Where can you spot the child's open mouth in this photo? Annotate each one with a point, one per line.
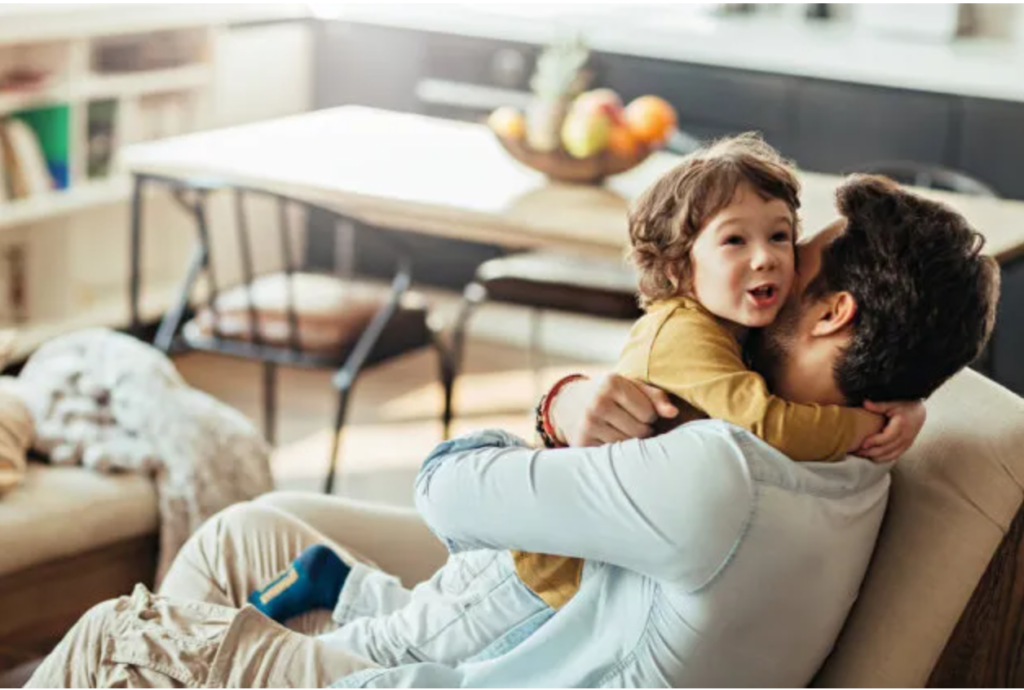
(764, 295)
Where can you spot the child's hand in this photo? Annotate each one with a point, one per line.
(903, 423)
(593, 412)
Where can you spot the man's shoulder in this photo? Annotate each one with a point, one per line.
(708, 453)
(769, 466)
(742, 479)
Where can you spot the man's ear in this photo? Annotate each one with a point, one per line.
(836, 312)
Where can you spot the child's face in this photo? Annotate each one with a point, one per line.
(743, 259)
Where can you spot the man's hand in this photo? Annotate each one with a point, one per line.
(903, 423)
(592, 412)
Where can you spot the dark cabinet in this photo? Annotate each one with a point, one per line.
(991, 144)
(711, 102)
(1007, 347)
(366, 65)
(484, 62)
(831, 127)
(840, 127)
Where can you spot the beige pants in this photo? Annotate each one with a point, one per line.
(198, 632)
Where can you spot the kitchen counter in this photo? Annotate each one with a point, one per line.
(982, 67)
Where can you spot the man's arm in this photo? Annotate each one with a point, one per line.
(670, 507)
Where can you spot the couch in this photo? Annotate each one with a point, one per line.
(69, 538)
(941, 604)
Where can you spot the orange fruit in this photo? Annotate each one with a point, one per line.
(507, 123)
(622, 143)
(651, 119)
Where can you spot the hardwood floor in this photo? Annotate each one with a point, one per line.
(394, 417)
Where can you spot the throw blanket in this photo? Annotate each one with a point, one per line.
(114, 403)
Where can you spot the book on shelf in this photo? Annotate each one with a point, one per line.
(24, 163)
(3, 173)
(101, 129)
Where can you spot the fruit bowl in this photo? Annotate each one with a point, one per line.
(560, 166)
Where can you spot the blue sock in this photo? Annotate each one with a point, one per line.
(313, 581)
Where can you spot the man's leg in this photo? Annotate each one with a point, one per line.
(126, 642)
(242, 549)
(395, 538)
(148, 641)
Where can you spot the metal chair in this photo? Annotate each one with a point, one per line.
(358, 324)
(541, 281)
(931, 177)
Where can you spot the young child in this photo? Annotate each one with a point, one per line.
(714, 244)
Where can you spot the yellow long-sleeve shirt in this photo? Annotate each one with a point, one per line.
(683, 349)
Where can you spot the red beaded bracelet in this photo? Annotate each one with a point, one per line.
(544, 426)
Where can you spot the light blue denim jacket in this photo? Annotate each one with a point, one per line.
(712, 559)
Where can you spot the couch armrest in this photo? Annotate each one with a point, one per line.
(986, 650)
(954, 497)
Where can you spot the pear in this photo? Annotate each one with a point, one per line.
(585, 133)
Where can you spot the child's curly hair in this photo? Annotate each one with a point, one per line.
(667, 218)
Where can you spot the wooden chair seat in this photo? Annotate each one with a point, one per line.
(545, 280)
(330, 315)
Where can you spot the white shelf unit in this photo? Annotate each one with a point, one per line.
(77, 78)
(55, 232)
(62, 202)
(64, 253)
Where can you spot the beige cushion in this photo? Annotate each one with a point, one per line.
(329, 311)
(953, 498)
(63, 511)
(16, 431)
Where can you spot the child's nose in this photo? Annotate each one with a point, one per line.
(763, 259)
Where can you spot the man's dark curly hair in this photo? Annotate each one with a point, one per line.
(925, 293)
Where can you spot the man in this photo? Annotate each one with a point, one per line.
(711, 558)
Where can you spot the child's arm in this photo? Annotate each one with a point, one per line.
(695, 358)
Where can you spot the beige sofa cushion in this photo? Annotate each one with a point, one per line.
(64, 511)
(16, 431)
(953, 498)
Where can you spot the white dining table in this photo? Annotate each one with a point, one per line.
(443, 177)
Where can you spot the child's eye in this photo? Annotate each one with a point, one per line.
(733, 239)
(781, 236)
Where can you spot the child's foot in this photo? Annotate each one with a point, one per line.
(313, 581)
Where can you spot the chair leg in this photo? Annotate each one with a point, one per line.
(448, 372)
(535, 354)
(339, 420)
(451, 358)
(270, 402)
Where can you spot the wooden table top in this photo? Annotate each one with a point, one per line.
(452, 178)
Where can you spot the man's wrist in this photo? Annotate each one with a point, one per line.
(548, 431)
